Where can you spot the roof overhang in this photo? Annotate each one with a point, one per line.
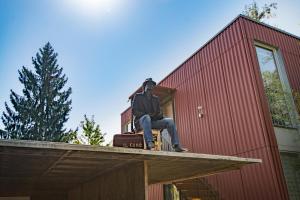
(31, 167)
(160, 91)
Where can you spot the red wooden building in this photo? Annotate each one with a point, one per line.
(234, 96)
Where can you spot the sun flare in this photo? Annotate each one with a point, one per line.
(93, 8)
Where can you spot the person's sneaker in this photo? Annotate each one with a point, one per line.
(178, 148)
(150, 146)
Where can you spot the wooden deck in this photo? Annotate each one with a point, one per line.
(28, 167)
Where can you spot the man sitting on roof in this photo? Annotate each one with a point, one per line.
(147, 115)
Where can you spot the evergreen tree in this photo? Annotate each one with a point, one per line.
(3, 134)
(43, 109)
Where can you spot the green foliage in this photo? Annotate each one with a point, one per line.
(280, 101)
(258, 14)
(71, 137)
(42, 110)
(91, 133)
(3, 134)
(296, 96)
(276, 97)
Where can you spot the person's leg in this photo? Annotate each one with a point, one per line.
(169, 124)
(145, 122)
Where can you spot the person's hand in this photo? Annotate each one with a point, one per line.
(151, 114)
(160, 116)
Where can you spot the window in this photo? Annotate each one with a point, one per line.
(276, 86)
(127, 127)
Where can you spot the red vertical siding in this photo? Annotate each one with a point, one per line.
(199, 131)
(182, 114)
(229, 37)
(125, 118)
(230, 185)
(260, 180)
(245, 116)
(261, 99)
(155, 192)
(224, 78)
(209, 52)
(223, 137)
(288, 46)
(270, 36)
(194, 67)
(293, 71)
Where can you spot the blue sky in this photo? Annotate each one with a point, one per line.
(108, 47)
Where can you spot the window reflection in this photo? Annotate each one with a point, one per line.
(273, 88)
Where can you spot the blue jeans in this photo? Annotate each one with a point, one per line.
(168, 123)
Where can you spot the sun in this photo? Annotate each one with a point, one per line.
(93, 8)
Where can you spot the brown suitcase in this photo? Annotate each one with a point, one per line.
(129, 140)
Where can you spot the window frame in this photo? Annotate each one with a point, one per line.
(279, 64)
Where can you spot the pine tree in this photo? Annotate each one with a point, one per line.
(43, 109)
(3, 134)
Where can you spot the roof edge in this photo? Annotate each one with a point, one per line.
(206, 43)
(223, 29)
(33, 144)
(269, 26)
(122, 113)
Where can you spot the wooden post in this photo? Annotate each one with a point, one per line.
(146, 179)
